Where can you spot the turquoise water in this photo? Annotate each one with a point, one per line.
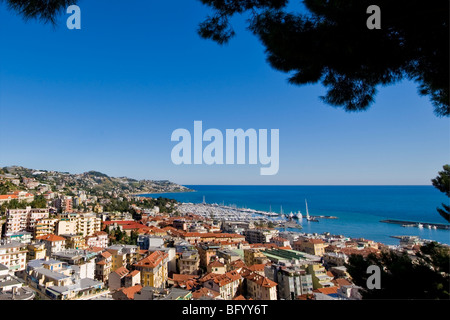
(358, 208)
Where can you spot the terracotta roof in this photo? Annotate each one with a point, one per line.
(183, 277)
(238, 264)
(133, 273)
(341, 282)
(216, 264)
(51, 237)
(135, 225)
(227, 278)
(7, 196)
(261, 280)
(205, 292)
(207, 277)
(152, 260)
(240, 297)
(328, 290)
(131, 291)
(257, 267)
(106, 254)
(122, 271)
(100, 233)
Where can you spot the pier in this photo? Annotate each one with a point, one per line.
(416, 224)
(324, 217)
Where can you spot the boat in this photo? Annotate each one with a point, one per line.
(308, 217)
(420, 226)
(307, 213)
(434, 227)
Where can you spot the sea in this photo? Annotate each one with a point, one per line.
(358, 209)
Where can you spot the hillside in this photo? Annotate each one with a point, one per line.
(93, 182)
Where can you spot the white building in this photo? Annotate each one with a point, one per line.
(13, 255)
(23, 219)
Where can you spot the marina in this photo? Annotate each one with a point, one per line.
(339, 209)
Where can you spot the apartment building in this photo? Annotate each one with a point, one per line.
(18, 220)
(259, 287)
(82, 224)
(88, 224)
(260, 235)
(335, 258)
(292, 280)
(13, 255)
(311, 246)
(58, 281)
(53, 243)
(74, 241)
(228, 285)
(103, 266)
(216, 267)
(122, 278)
(320, 277)
(98, 239)
(45, 226)
(254, 256)
(189, 262)
(36, 251)
(280, 242)
(22, 236)
(123, 255)
(206, 252)
(153, 269)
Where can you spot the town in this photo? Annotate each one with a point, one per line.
(67, 237)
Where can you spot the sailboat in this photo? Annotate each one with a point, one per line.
(299, 216)
(307, 214)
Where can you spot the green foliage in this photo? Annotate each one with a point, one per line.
(14, 204)
(7, 187)
(97, 174)
(330, 43)
(442, 183)
(44, 10)
(120, 237)
(39, 202)
(425, 277)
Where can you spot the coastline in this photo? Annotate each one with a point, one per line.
(358, 209)
(161, 192)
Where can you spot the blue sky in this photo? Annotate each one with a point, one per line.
(107, 98)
